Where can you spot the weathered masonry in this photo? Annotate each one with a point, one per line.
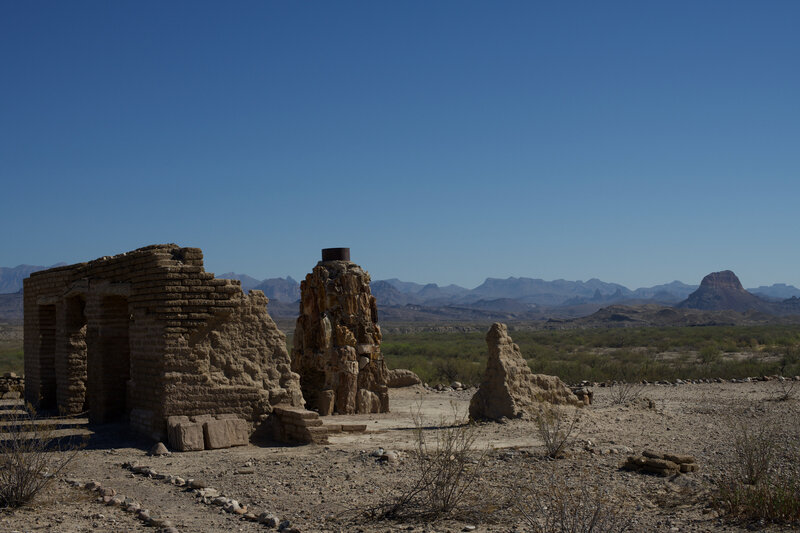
(337, 340)
(149, 334)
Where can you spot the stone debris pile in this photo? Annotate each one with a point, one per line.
(509, 389)
(337, 340)
(12, 386)
(662, 464)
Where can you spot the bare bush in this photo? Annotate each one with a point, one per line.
(563, 506)
(755, 443)
(447, 466)
(31, 456)
(761, 485)
(557, 428)
(626, 391)
(787, 389)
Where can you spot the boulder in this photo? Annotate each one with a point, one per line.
(159, 449)
(509, 389)
(400, 377)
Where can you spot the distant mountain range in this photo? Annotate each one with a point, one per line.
(514, 298)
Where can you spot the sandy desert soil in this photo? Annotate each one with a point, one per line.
(324, 488)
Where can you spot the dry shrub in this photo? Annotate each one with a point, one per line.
(760, 485)
(787, 389)
(552, 503)
(447, 466)
(626, 392)
(557, 428)
(755, 443)
(31, 456)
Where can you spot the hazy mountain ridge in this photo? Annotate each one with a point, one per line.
(11, 277)
(513, 298)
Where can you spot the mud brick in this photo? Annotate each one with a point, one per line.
(216, 434)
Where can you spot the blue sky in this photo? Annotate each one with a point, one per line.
(636, 142)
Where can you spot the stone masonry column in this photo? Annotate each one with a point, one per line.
(337, 341)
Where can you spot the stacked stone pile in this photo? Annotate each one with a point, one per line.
(662, 464)
(337, 340)
(509, 389)
(11, 386)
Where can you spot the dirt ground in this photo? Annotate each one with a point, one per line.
(327, 488)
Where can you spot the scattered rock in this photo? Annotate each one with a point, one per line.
(268, 519)
(196, 484)
(159, 449)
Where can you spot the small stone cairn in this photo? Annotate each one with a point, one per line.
(509, 389)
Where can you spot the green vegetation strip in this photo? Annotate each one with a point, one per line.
(11, 358)
(625, 354)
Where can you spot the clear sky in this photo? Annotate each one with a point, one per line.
(636, 142)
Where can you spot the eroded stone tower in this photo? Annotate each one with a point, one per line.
(337, 341)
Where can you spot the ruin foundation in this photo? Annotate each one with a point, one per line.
(337, 341)
(149, 334)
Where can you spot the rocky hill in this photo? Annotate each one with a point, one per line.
(723, 291)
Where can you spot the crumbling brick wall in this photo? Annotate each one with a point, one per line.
(149, 334)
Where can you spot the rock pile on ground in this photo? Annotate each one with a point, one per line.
(662, 464)
(11, 386)
(509, 388)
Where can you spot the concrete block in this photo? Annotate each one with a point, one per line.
(239, 431)
(186, 436)
(216, 434)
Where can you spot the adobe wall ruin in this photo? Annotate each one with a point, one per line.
(337, 341)
(149, 334)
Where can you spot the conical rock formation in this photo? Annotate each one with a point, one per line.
(509, 388)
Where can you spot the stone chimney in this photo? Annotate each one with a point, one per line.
(337, 341)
